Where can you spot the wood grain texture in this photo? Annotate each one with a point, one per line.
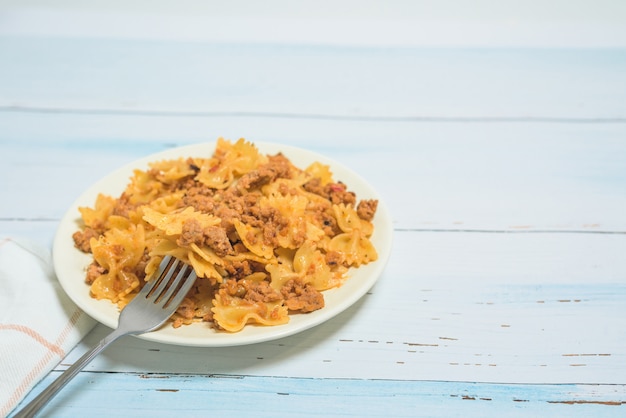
(477, 175)
(299, 80)
(468, 307)
(233, 396)
(504, 169)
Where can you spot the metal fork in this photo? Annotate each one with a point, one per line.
(153, 305)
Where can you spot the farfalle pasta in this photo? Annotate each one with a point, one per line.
(265, 237)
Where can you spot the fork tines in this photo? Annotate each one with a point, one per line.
(172, 276)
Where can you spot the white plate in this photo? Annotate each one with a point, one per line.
(70, 263)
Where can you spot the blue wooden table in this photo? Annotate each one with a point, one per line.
(504, 169)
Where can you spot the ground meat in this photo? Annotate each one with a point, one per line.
(123, 206)
(192, 233)
(228, 206)
(198, 196)
(367, 209)
(326, 220)
(213, 236)
(140, 269)
(285, 190)
(186, 311)
(281, 165)
(334, 258)
(314, 186)
(233, 288)
(228, 216)
(236, 203)
(260, 292)
(338, 193)
(253, 180)
(251, 291)
(270, 220)
(82, 239)
(299, 235)
(239, 269)
(277, 167)
(301, 297)
(335, 192)
(200, 203)
(216, 238)
(93, 272)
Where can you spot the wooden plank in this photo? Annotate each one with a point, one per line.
(345, 82)
(100, 394)
(504, 176)
(487, 307)
(515, 308)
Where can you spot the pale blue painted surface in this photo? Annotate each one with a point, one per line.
(478, 175)
(310, 80)
(98, 394)
(505, 171)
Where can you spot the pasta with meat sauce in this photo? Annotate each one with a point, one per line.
(265, 238)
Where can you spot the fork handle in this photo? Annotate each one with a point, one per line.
(44, 397)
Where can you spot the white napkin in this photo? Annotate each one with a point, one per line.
(39, 324)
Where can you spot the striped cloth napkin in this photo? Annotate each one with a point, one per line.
(39, 324)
